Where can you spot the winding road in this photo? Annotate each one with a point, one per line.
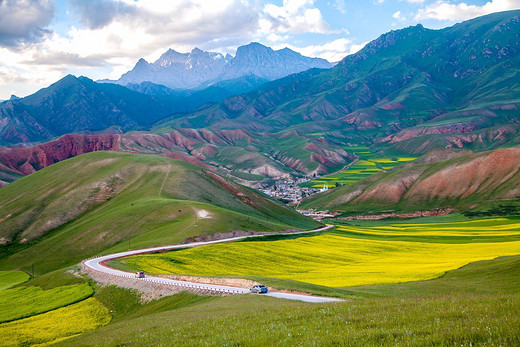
(99, 264)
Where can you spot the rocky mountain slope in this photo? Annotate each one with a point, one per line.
(232, 152)
(410, 90)
(80, 105)
(75, 105)
(199, 68)
(461, 182)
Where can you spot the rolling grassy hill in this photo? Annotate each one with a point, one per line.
(108, 201)
(463, 182)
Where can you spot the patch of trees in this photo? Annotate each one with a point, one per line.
(500, 210)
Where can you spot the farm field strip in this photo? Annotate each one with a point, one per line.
(31, 315)
(9, 279)
(55, 325)
(368, 164)
(496, 227)
(332, 260)
(25, 302)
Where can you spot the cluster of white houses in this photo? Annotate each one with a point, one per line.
(290, 191)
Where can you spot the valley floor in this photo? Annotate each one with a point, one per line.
(459, 304)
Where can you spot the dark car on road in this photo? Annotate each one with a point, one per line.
(258, 288)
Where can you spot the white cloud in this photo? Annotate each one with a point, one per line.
(109, 36)
(19, 78)
(340, 6)
(332, 51)
(443, 10)
(399, 16)
(277, 38)
(95, 14)
(145, 28)
(24, 21)
(293, 17)
(356, 48)
(110, 44)
(413, 1)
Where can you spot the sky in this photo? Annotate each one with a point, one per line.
(41, 41)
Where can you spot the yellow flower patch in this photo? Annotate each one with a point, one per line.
(55, 325)
(329, 260)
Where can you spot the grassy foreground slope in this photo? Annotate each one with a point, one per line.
(461, 182)
(108, 201)
(476, 304)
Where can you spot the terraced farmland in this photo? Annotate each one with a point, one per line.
(31, 315)
(341, 259)
(480, 230)
(30, 301)
(55, 325)
(368, 164)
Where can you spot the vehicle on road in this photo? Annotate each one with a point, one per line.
(258, 288)
(139, 274)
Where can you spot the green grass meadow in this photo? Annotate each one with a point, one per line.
(30, 314)
(348, 255)
(34, 300)
(119, 201)
(446, 280)
(10, 279)
(474, 305)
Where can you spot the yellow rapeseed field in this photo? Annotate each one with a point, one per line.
(500, 227)
(55, 325)
(21, 302)
(329, 260)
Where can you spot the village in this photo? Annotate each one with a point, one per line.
(290, 192)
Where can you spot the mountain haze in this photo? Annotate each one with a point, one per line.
(79, 105)
(75, 105)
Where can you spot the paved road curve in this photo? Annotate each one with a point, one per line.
(99, 264)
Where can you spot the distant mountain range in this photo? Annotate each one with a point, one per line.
(80, 105)
(200, 69)
(409, 91)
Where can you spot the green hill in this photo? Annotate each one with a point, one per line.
(462, 182)
(108, 201)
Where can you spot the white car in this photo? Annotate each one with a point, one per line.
(259, 289)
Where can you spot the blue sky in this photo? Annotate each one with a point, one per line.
(43, 40)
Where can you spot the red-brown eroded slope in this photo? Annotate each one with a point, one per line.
(486, 175)
(459, 182)
(30, 159)
(493, 175)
